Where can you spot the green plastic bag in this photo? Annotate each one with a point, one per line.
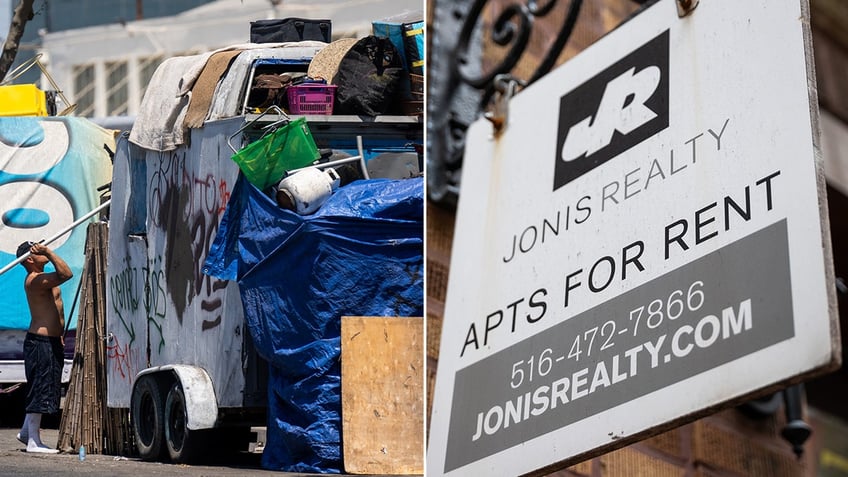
(264, 161)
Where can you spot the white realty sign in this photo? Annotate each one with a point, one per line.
(644, 242)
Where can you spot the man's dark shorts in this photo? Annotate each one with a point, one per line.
(43, 361)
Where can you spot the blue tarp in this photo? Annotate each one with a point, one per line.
(361, 254)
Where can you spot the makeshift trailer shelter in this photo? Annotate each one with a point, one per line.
(182, 343)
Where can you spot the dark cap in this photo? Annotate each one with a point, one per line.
(24, 248)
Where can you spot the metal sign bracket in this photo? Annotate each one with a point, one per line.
(498, 114)
(686, 7)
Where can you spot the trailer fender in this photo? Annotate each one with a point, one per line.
(201, 403)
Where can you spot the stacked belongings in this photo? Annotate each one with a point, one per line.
(345, 247)
(345, 250)
(355, 77)
(378, 74)
(269, 89)
(292, 92)
(406, 32)
(381, 74)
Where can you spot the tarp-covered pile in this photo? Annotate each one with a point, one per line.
(361, 254)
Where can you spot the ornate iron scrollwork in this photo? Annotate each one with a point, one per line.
(451, 73)
(458, 90)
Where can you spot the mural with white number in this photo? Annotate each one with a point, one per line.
(50, 170)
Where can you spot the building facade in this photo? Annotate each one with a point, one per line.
(56, 16)
(105, 65)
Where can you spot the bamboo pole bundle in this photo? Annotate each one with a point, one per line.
(69, 426)
(86, 419)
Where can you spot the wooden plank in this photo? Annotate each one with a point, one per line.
(382, 395)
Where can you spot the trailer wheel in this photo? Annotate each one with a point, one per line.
(148, 418)
(183, 443)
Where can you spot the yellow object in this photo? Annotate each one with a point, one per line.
(22, 100)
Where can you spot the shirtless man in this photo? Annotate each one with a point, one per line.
(43, 346)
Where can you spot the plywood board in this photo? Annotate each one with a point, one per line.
(383, 395)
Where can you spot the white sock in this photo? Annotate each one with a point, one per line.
(34, 443)
(23, 436)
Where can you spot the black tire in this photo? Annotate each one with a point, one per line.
(183, 443)
(148, 419)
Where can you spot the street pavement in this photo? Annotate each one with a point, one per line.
(15, 462)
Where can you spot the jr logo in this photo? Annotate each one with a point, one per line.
(615, 110)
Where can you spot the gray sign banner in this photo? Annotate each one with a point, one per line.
(725, 305)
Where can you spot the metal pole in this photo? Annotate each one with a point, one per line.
(55, 237)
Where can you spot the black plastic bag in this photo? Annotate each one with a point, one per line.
(281, 30)
(369, 78)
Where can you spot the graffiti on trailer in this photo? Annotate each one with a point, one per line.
(154, 299)
(131, 287)
(184, 207)
(125, 296)
(224, 194)
(120, 356)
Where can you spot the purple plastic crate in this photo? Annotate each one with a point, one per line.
(311, 98)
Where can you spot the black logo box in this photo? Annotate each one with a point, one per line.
(583, 102)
